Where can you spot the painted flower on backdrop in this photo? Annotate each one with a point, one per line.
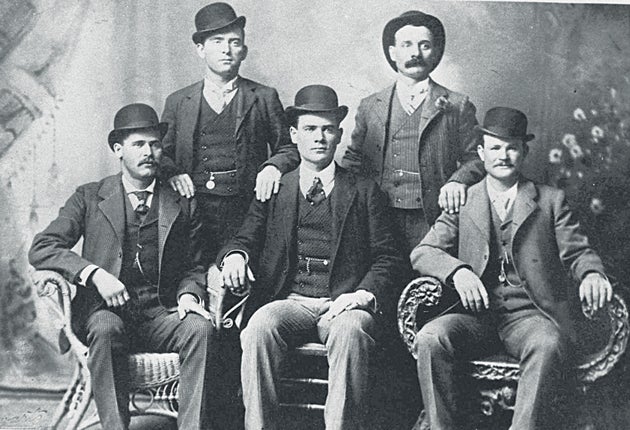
(555, 156)
(595, 145)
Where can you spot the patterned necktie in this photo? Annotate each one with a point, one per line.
(502, 203)
(316, 194)
(142, 207)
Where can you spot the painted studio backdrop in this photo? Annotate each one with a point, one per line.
(67, 66)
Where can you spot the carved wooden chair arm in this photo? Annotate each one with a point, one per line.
(223, 305)
(57, 293)
(426, 294)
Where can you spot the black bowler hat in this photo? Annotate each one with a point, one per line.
(133, 117)
(417, 19)
(213, 17)
(507, 123)
(316, 98)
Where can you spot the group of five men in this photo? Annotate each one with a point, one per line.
(323, 247)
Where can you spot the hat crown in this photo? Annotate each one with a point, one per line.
(136, 115)
(416, 19)
(317, 97)
(505, 122)
(214, 17)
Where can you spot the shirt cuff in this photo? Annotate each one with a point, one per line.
(86, 274)
(371, 298)
(195, 296)
(236, 251)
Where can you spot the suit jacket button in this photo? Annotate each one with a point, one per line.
(119, 254)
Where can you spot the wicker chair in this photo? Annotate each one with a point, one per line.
(495, 378)
(154, 376)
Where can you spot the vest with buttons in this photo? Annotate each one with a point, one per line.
(507, 295)
(314, 231)
(214, 149)
(140, 275)
(401, 179)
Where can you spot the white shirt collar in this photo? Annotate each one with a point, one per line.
(129, 188)
(327, 176)
(500, 197)
(412, 90)
(223, 89)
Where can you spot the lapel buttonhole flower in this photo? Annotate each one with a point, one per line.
(443, 104)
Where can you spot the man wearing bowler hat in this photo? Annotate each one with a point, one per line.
(140, 280)
(515, 255)
(415, 138)
(323, 264)
(222, 129)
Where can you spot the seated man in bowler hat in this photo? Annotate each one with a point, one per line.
(222, 130)
(141, 284)
(515, 254)
(323, 264)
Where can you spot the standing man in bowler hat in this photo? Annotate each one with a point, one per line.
(140, 279)
(415, 138)
(515, 255)
(323, 263)
(221, 130)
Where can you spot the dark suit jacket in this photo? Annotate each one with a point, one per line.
(363, 254)
(547, 246)
(260, 127)
(96, 212)
(446, 149)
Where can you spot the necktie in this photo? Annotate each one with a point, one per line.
(142, 207)
(502, 203)
(316, 193)
(414, 101)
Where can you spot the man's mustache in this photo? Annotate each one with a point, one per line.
(415, 62)
(150, 160)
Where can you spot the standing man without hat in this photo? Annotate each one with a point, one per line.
(416, 138)
(221, 130)
(515, 255)
(323, 263)
(141, 282)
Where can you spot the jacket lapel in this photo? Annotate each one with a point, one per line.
(288, 200)
(245, 98)
(113, 205)
(477, 209)
(344, 191)
(168, 211)
(190, 113)
(381, 105)
(429, 108)
(524, 205)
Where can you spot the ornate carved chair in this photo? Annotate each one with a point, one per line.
(495, 378)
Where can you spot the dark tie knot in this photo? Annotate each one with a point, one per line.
(142, 197)
(316, 193)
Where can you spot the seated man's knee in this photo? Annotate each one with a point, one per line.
(104, 325)
(547, 343)
(198, 327)
(261, 325)
(432, 338)
(352, 327)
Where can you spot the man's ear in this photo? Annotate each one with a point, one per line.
(117, 148)
(200, 50)
(525, 149)
(245, 52)
(293, 133)
(480, 151)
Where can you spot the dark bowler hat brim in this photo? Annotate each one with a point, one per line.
(315, 99)
(505, 123)
(136, 116)
(417, 19)
(214, 17)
